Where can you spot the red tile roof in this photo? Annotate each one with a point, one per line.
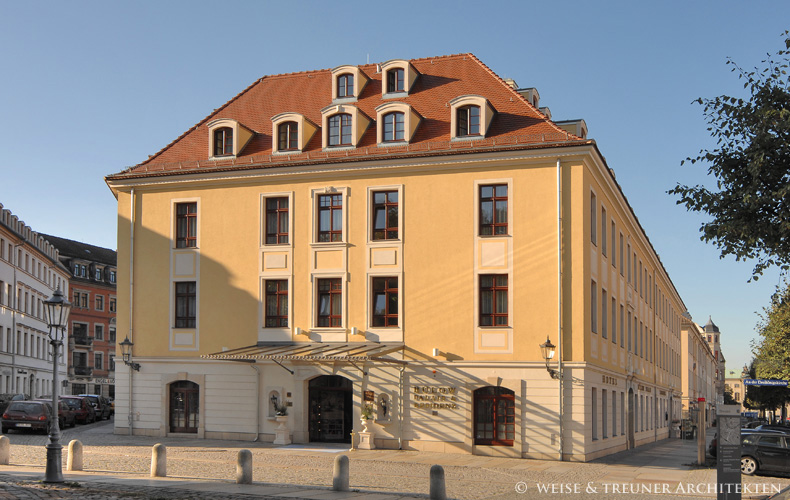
(517, 123)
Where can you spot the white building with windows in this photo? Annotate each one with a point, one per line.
(30, 271)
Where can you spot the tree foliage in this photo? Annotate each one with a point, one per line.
(750, 207)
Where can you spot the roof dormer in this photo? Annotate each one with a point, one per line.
(348, 82)
(397, 122)
(343, 126)
(470, 117)
(226, 138)
(397, 78)
(291, 132)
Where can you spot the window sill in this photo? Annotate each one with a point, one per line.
(385, 144)
(329, 244)
(344, 100)
(223, 157)
(287, 152)
(341, 147)
(395, 95)
(385, 243)
(460, 138)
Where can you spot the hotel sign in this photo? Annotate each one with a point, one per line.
(435, 398)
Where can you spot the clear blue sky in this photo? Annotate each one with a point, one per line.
(89, 88)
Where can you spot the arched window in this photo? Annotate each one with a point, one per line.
(288, 136)
(340, 130)
(395, 80)
(184, 406)
(223, 141)
(468, 121)
(345, 85)
(494, 417)
(393, 127)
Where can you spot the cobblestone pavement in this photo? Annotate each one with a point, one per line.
(206, 469)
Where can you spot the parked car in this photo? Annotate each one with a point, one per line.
(765, 452)
(83, 409)
(744, 432)
(5, 399)
(774, 427)
(754, 424)
(26, 415)
(67, 416)
(100, 404)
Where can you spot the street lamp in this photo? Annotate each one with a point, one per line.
(57, 311)
(547, 349)
(126, 352)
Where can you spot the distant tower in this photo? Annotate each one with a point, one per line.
(711, 332)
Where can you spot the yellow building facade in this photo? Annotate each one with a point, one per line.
(399, 248)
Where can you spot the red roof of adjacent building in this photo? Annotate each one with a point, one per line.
(517, 123)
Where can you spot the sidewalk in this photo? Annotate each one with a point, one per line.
(118, 467)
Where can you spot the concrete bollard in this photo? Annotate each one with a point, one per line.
(75, 456)
(340, 473)
(5, 450)
(159, 461)
(244, 467)
(438, 491)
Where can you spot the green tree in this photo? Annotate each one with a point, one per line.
(772, 352)
(729, 399)
(750, 207)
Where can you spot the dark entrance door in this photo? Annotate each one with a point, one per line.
(184, 406)
(330, 409)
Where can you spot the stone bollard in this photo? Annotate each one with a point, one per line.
(159, 461)
(244, 467)
(5, 450)
(75, 456)
(340, 473)
(438, 491)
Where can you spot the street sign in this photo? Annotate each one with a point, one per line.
(765, 382)
(701, 400)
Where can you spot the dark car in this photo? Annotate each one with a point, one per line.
(5, 400)
(83, 409)
(26, 415)
(744, 432)
(68, 417)
(100, 404)
(774, 427)
(765, 452)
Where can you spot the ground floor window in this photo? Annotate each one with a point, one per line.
(78, 389)
(184, 406)
(494, 417)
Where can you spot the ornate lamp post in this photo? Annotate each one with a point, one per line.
(547, 349)
(126, 352)
(57, 311)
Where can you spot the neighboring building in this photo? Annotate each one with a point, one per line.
(734, 381)
(403, 235)
(712, 335)
(29, 273)
(92, 320)
(699, 371)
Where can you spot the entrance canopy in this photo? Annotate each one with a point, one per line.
(352, 352)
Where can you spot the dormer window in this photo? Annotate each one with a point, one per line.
(340, 130)
(345, 86)
(393, 127)
(398, 77)
(397, 122)
(347, 83)
(223, 141)
(227, 137)
(292, 132)
(468, 121)
(471, 117)
(344, 126)
(395, 80)
(288, 136)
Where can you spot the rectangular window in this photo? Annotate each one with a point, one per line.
(330, 302)
(604, 315)
(97, 274)
(622, 414)
(628, 264)
(330, 217)
(603, 232)
(385, 215)
(614, 320)
(593, 219)
(98, 332)
(276, 220)
(594, 307)
(112, 276)
(604, 414)
(493, 300)
(614, 413)
(594, 414)
(112, 335)
(112, 305)
(621, 254)
(100, 302)
(276, 303)
(186, 225)
(111, 363)
(493, 210)
(83, 300)
(98, 361)
(385, 302)
(186, 304)
(629, 331)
